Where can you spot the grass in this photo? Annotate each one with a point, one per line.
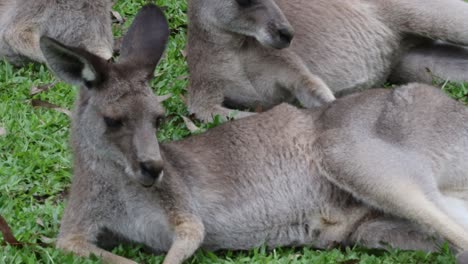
(35, 162)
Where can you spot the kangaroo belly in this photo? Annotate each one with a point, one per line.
(318, 228)
(250, 235)
(306, 211)
(294, 235)
(248, 216)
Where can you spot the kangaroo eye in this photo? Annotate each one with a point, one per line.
(113, 123)
(245, 3)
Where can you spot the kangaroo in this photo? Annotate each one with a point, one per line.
(84, 23)
(238, 56)
(378, 168)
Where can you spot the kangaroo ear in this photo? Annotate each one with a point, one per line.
(73, 65)
(146, 39)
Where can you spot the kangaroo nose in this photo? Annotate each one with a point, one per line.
(286, 34)
(151, 169)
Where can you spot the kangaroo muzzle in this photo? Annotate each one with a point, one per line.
(150, 172)
(284, 37)
(277, 37)
(276, 31)
(150, 163)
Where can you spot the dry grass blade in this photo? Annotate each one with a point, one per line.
(190, 125)
(7, 234)
(44, 104)
(183, 77)
(47, 241)
(162, 98)
(41, 88)
(3, 132)
(117, 18)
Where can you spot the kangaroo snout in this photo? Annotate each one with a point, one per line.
(286, 34)
(150, 172)
(278, 37)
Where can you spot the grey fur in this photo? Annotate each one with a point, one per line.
(379, 168)
(350, 45)
(83, 23)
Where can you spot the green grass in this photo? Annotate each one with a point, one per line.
(35, 162)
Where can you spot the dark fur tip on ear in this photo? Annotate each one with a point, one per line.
(73, 65)
(146, 39)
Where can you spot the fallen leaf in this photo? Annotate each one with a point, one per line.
(184, 53)
(2, 132)
(40, 103)
(117, 18)
(40, 222)
(47, 240)
(7, 234)
(190, 125)
(258, 109)
(41, 88)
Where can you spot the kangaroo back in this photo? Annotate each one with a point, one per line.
(86, 24)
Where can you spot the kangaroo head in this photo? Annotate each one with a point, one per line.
(117, 113)
(259, 19)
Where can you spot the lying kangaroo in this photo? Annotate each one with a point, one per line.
(238, 58)
(377, 168)
(84, 23)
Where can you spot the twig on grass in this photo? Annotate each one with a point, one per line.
(190, 125)
(41, 88)
(8, 236)
(40, 103)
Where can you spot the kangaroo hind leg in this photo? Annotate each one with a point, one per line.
(384, 231)
(436, 19)
(434, 61)
(394, 181)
